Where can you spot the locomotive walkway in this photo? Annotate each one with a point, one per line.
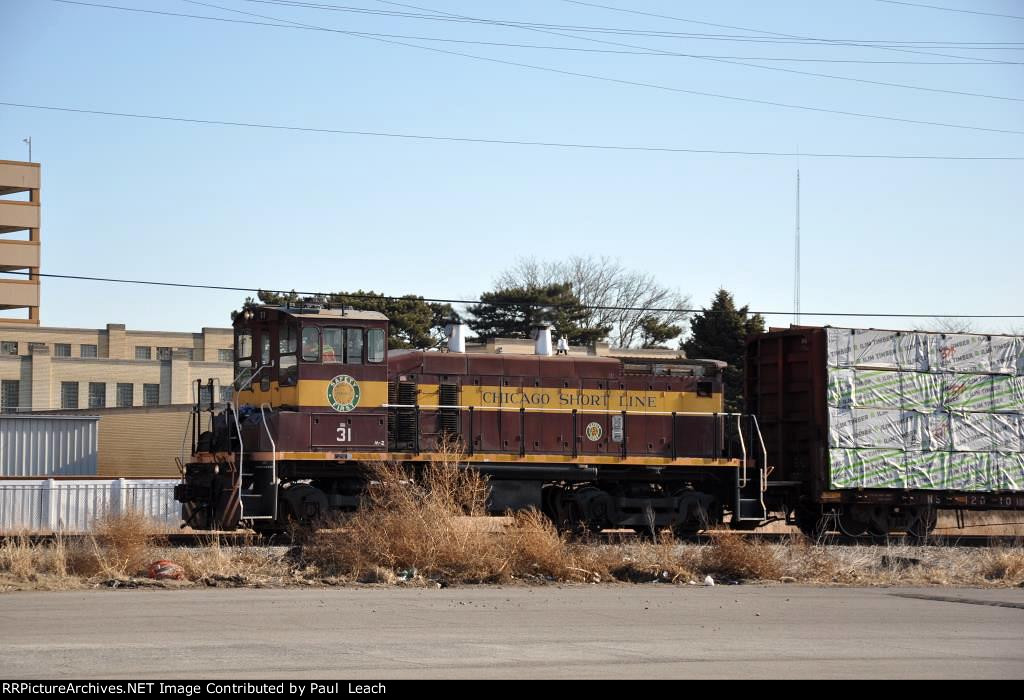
(628, 631)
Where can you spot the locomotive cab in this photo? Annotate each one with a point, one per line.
(317, 376)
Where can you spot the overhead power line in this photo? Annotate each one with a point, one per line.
(619, 81)
(732, 62)
(950, 9)
(759, 37)
(570, 49)
(498, 302)
(507, 142)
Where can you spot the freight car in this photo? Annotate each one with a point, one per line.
(872, 431)
(593, 442)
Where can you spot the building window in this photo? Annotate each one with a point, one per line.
(143, 353)
(125, 395)
(9, 347)
(163, 354)
(150, 394)
(97, 395)
(62, 349)
(225, 356)
(9, 395)
(87, 350)
(69, 394)
(226, 394)
(33, 346)
(189, 352)
(204, 395)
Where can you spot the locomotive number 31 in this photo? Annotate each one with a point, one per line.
(344, 433)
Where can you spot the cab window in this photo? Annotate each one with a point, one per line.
(375, 345)
(354, 346)
(288, 345)
(310, 344)
(243, 356)
(333, 347)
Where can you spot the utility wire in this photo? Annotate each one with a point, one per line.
(676, 35)
(508, 142)
(949, 9)
(763, 37)
(592, 76)
(493, 302)
(575, 49)
(761, 67)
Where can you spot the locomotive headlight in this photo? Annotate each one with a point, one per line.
(248, 314)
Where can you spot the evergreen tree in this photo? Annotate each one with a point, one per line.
(720, 333)
(654, 332)
(512, 312)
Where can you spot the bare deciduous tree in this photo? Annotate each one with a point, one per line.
(604, 286)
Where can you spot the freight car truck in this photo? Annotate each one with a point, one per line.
(873, 431)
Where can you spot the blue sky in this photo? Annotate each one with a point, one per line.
(254, 207)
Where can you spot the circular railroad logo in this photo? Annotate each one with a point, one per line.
(343, 393)
(594, 431)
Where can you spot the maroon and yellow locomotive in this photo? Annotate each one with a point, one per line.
(591, 441)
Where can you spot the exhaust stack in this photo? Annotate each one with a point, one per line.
(542, 340)
(456, 332)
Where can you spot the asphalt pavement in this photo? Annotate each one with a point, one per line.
(604, 631)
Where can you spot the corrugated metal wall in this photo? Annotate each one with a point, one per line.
(145, 443)
(51, 505)
(46, 445)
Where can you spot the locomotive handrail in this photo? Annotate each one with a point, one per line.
(273, 461)
(743, 448)
(764, 463)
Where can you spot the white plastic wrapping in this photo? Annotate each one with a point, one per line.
(1007, 354)
(963, 353)
(869, 348)
(1006, 431)
(913, 351)
(938, 433)
(877, 389)
(922, 391)
(968, 392)
(972, 432)
(838, 341)
(1006, 471)
(840, 388)
(1008, 395)
(925, 410)
(875, 427)
(840, 427)
(867, 468)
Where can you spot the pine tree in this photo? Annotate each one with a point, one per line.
(514, 311)
(720, 333)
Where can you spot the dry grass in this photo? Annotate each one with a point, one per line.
(431, 527)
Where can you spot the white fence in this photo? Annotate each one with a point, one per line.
(73, 505)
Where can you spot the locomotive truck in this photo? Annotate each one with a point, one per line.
(593, 442)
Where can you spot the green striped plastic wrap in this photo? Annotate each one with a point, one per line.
(916, 410)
